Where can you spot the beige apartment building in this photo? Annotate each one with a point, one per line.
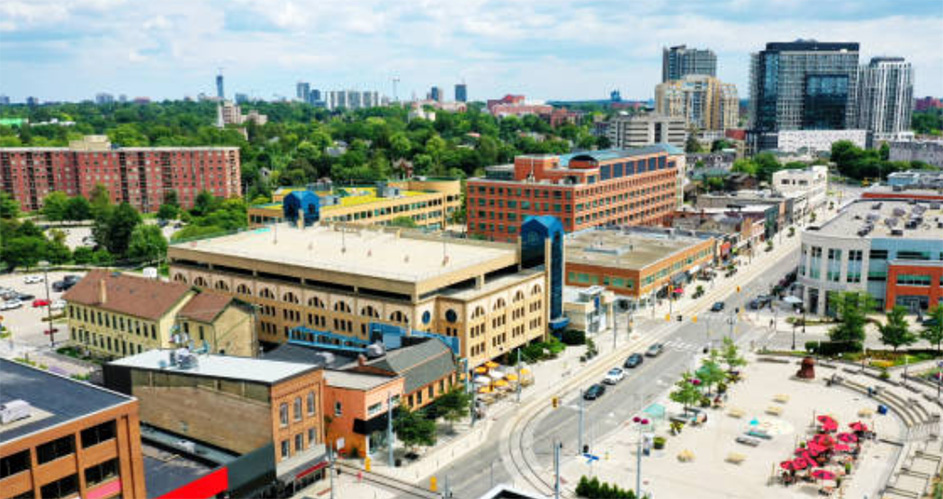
(704, 102)
(340, 278)
(115, 315)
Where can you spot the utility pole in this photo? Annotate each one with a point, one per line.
(519, 375)
(52, 330)
(579, 448)
(330, 456)
(389, 426)
(641, 423)
(556, 469)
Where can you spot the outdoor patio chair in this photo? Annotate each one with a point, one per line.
(781, 398)
(735, 412)
(775, 411)
(752, 442)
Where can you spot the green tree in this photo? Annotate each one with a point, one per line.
(933, 328)
(896, 332)
(413, 429)
(170, 198)
(78, 208)
(9, 207)
(112, 228)
(454, 405)
(686, 392)
(710, 372)
(404, 221)
(204, 203)
(730, 353)
(55, 205)
(147, 243)
(100, 199)
(167, 212)
(851, 310)
(24, 251)
(691, 144)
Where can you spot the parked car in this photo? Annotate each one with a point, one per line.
(594, 392)
(24, 296)
(63, 285)
(40, 302)
(717, 306)
(57, 304)
(655, 350)
(633, 361)
(9, 294)
(72, 278)
(11, 304)
(615, 375)
(33, 279)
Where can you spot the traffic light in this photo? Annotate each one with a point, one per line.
(555, 401)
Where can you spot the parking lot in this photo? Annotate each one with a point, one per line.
(25, 323)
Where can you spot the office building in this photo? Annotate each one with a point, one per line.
(4, 100)
(220, 94)
(435, 94)
(888, 248)
(640, 130)
(929, 151)
(64, 438)
(680, 61)
(814, 141)
(461, 92)
(351, 99)
(104, 98)
(704, 102)
(230, 113)
(430, 203)
(636, 262)
(885, 97)
(921, 104)
(303, 91)
(241, 98)
(811, 182)
(315, 96)
(803, 85)
(587, 189)
(354, 282)
(140, 176)
(114, 315)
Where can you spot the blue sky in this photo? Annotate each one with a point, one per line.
(546, 49)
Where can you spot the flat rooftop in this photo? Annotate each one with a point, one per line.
(356, 381)
(55, 399)
(360, 251)
(218, 366)
(355, 196)
(627, 250)
(885, 215)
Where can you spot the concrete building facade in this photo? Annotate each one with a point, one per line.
(885, 97)
(641, 130)
(680, 61)
(704, 102)
(811, 182)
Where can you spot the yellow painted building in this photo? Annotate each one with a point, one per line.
(430, 203)
(116, 315)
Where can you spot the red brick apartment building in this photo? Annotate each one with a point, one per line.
(138, 175)
(612, 187)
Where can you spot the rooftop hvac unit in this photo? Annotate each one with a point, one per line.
(15, 410)
(899, 212)
(876, 206)
(375, 350)
(934, 206)
(897, 232)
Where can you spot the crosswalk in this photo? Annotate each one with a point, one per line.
(690, 346)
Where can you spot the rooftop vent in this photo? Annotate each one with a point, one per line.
(15, 410)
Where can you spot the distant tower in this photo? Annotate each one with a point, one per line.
(219, 85)
(461, 92)
(219, 115)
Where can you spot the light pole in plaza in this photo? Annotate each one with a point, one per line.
(52, 332)
(641, 423)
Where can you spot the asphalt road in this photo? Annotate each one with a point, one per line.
(475, 474)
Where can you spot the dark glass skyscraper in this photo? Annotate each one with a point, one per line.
(803, 85)
(678, 61)
(461, 92)
(219, 86)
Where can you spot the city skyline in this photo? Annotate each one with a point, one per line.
(564, 51)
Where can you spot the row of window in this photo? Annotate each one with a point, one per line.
(310, 405)
(299, 443)
(112, 321)
(56, 449)
(121, 347)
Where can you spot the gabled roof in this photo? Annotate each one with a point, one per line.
(126, 294)
(420, 364)
(205, 307)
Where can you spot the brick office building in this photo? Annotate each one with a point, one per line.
(613, 187)
(139, 175)
(61, 438)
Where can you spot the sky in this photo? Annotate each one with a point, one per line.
(545, 49)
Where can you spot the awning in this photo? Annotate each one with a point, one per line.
(792, 300)
(302, 465)
(694, 270)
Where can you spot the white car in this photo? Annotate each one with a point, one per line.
(11, 304)
(57, 304)
(33, 279)
(615, 375)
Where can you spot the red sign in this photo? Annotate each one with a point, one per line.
(202, 488)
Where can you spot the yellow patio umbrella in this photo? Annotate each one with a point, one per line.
(485, 389)
(481, 370)
(500, 383)
(511, 377)
(491, 364)
(525, 371)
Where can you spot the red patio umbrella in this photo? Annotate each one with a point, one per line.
(801, 463)
(824, 440)
(826, 419)
(823, 474)
(830, 426)
(789, 465)
(847, 437)
(858, 426)
(842, 448)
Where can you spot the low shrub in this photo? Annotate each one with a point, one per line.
(593, 488)
(659, 443)
(574, 337)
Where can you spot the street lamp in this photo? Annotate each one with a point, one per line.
(52, 339)
(641, 423)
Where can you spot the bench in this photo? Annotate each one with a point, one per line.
(759, 434)
(735, 412)
(752, 442)
(781, 398)
(736, 458)
(775, 411)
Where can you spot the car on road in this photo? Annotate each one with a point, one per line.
(63, 285)
(11, 304)
(655, 350)
(633, 361)
(717, 306)
(24, 296)
(40, 302)
(57, 304)
(615, 375)
(33, 279)
(594, 392)
(9, 294)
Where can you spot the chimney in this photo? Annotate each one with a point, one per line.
(361, 360)
(102, 292)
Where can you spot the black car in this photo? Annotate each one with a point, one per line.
(634, 360)
(72, 278)
(717, 306)
(63, 285)
(25, 296)
(594, 392)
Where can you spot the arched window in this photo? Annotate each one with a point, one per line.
(267, 293)
(199, 281)
(315, 302)
(180, 278)
(222, 286)
(369, 311)
(242, 289)
(478, 312)
(518, 296)
(536, 290)
(290, 298)
(399, 317)
(499, 304)
(342, 307)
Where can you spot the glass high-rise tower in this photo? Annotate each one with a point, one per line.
(680, 61)
(803, 85)
(885, 96)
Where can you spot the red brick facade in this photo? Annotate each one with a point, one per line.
(138, 175)
(638, 189)
(933, 289)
